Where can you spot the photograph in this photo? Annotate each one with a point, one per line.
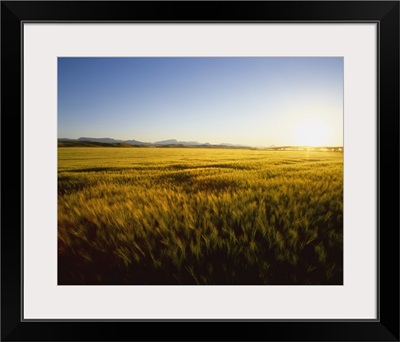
(231, 168)
(200, 170)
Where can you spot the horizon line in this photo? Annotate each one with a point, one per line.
(203, 143)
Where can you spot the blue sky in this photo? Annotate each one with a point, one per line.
(256, 101)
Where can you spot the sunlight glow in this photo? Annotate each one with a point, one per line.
(312, 132)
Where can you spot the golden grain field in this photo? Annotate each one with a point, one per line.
(199, 216)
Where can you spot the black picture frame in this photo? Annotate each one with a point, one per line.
(385, 13)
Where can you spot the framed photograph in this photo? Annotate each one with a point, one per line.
(227, 167)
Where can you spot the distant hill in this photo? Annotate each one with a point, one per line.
(83, 143)
(166, 142)
(87, 141)
(176, 142)
(231, 145)
(104, 140)
(109, 142)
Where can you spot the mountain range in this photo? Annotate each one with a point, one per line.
(109, 142)
(169, 142)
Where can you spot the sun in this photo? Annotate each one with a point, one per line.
(311, 132)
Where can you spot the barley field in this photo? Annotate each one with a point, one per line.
(199, 216)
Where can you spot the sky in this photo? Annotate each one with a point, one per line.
(256, 101)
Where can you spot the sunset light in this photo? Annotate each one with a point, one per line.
(200, 171)
(312, 132)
